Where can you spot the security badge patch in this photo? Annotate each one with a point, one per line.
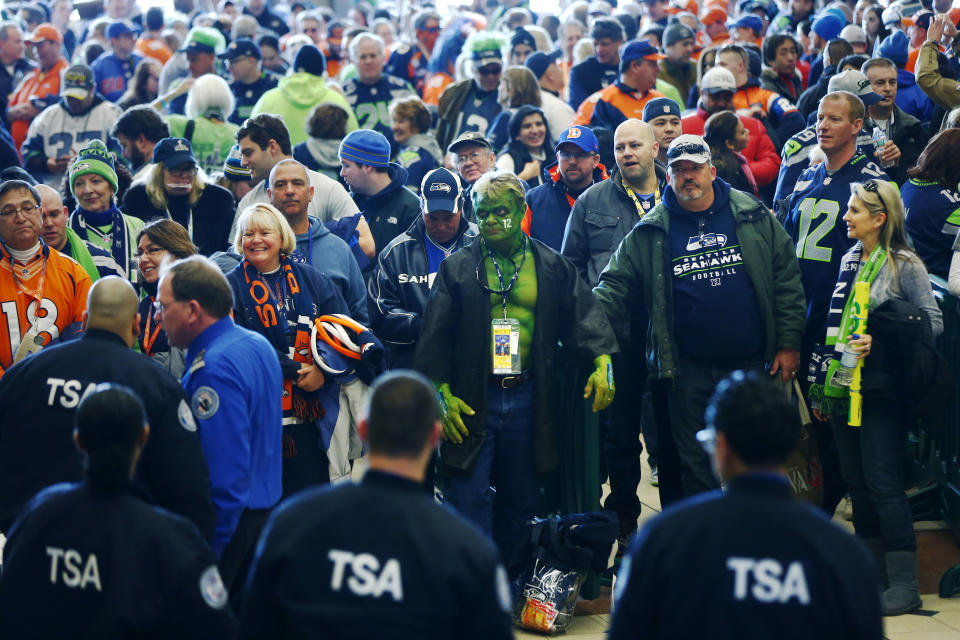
(212, 589)
(205, 402)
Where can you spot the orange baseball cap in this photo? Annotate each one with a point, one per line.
(713, 15)
(679, 6)
(45, 31)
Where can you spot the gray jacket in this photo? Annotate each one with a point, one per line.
(601, 218)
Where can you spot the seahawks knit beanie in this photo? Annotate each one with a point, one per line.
(365, 146)
(94, 158)
(311, 60)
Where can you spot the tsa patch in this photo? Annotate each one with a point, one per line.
(205, 403)
(186, 418)
(212, 589)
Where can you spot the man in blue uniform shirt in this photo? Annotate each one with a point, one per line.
(233, 382)
(432, 576)
(758, 563)
(249, 80)
(115, 67)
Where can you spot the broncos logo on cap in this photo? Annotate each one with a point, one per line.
(573, 132)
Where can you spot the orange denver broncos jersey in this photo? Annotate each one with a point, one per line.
(59, 303)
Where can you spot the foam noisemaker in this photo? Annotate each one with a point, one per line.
(861, 303)
(335, 343)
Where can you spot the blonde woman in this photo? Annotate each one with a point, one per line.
(279, 298)
(174, 188)
(871, 455)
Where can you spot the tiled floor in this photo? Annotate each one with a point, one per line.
(939, 619)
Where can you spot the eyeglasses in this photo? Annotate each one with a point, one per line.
(578, 155)
(873, 186)
(183, 172)
(431, 29)
(161, 307)
(153, 251)
(490, 70)
(471, 157)
(9, 212)
(683, 149)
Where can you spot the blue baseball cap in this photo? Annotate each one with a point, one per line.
(173, 152)
(660, 107)
(120, 28)
(440, 191)
(640, 50)
(538, 62)
(581, 136)
(749, 21)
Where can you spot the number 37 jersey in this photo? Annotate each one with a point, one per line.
(35, 310)
(815, 223)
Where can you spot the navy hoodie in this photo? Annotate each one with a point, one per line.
(710, 281)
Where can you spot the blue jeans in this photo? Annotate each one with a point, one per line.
(872, 462)
(505, 462)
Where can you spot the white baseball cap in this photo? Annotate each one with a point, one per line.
(718, 79)
(690, 148)
(853, 34)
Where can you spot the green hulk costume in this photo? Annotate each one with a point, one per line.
(502, 275)
(500, 217)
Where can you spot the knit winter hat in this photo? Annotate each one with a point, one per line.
(677, 31)
(894, 47)
(94, 158)
(311, 60)
(233, 168)
(365, 146)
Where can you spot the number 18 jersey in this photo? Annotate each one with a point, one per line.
(815, 223)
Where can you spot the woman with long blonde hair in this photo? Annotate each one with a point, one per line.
(872, 454)
(176, 188)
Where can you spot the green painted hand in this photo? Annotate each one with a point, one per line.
(600, 383)
(450, 409)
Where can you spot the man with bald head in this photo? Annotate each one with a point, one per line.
(57, 235)
(599, 220)
(40, 395)
(290, 192)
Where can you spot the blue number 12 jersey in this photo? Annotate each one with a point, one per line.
(815, 222)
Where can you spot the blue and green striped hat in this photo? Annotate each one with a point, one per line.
(365, 146)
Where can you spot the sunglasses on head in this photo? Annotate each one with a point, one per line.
(873, 186)
(683, 149)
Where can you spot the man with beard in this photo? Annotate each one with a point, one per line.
(138, 131)
(60, 131)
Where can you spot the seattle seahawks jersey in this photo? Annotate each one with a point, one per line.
(815, 223)
(795, 157)
(58, 132)
(409, 63)
(479, 111)
(933, 220)
(371, 102)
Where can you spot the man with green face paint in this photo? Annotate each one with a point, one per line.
(497, 312)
